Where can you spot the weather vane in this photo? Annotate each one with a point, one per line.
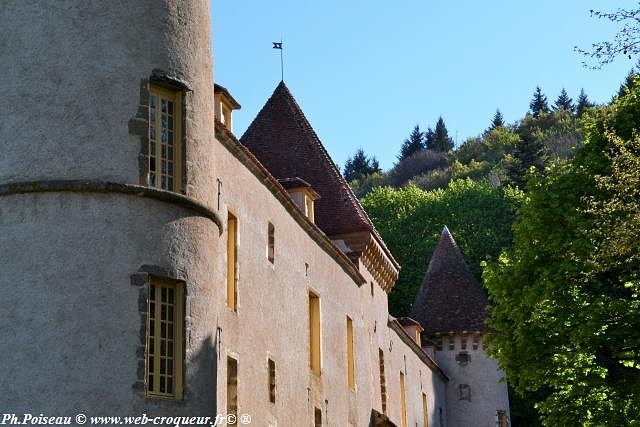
(278, 45)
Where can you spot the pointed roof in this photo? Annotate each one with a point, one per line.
(283, 140)
(450, 298)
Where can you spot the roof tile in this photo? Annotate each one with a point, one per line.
(450, 298)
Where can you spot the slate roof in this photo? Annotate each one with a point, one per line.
(283, 140)
(450, 298)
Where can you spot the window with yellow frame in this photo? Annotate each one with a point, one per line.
(163, 367)
(165, 138)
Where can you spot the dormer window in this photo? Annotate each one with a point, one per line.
(224, 106)
(302, 194)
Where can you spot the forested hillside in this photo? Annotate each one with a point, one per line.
(548, 207)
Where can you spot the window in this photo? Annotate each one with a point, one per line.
(317, 415)
(425, 411)
(383, 386)
(165, 163)
(403, 401)
(314, 333)
(164, 339)
(271, 367)
(232, 386)
(232, 264)
(308, 204)
(271, 243)
(351, 367)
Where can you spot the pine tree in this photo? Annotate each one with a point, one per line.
(440, 140)
(539, 103)
(582, 103)
(498, 121)
(529, 151)
(563, 102)
(359, 166)
(429, 138)
(412, 144)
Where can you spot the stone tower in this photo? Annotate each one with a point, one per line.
(105, 186)
(451, 307)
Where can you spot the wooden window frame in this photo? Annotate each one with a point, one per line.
(425, 410)
(155, 144)
(403, 400)
(351, 363)
(232, 261)
(315, 333)
(383, 383)
(153, 359)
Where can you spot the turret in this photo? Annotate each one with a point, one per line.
(451, 307)
(105, 195)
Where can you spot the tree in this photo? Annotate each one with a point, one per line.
(538, 104)
(360, 166)
(412, 144)
(563, 102)
(439, 139)
(418, 163)
(410, 221)
(529, 152)
(498, 121)
(565, 301)
(626, 41)
(583, 103)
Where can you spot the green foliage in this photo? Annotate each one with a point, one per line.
(410, 221)
(361, 187)
(563, 102)
(412, 144)
(418, 163)
(538, 104)
(359, 166)
(498, 121)
(583, 103)
(439, 140)
(565, 301)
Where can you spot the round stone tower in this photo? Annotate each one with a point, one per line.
(451, 307)
(108, 225)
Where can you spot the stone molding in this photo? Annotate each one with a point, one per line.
(91, 186)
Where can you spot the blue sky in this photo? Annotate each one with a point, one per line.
(366, 72)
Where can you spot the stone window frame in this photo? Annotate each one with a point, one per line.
(139, 125)
(142, 280)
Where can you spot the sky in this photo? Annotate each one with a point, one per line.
(366, 72)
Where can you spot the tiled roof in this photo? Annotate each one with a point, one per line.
(450, 298)
(286, 144)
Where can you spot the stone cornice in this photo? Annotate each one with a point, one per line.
(91, 186)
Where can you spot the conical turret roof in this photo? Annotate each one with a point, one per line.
(450, 298)
(283, 140)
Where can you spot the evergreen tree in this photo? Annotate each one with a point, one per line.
(539, 103)
(412, 144)
(563, 102)
(360, 166)
(582, 103)
(441, 140)
(529, 151)
(429, 138)
(498, 121)
(629, 82)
